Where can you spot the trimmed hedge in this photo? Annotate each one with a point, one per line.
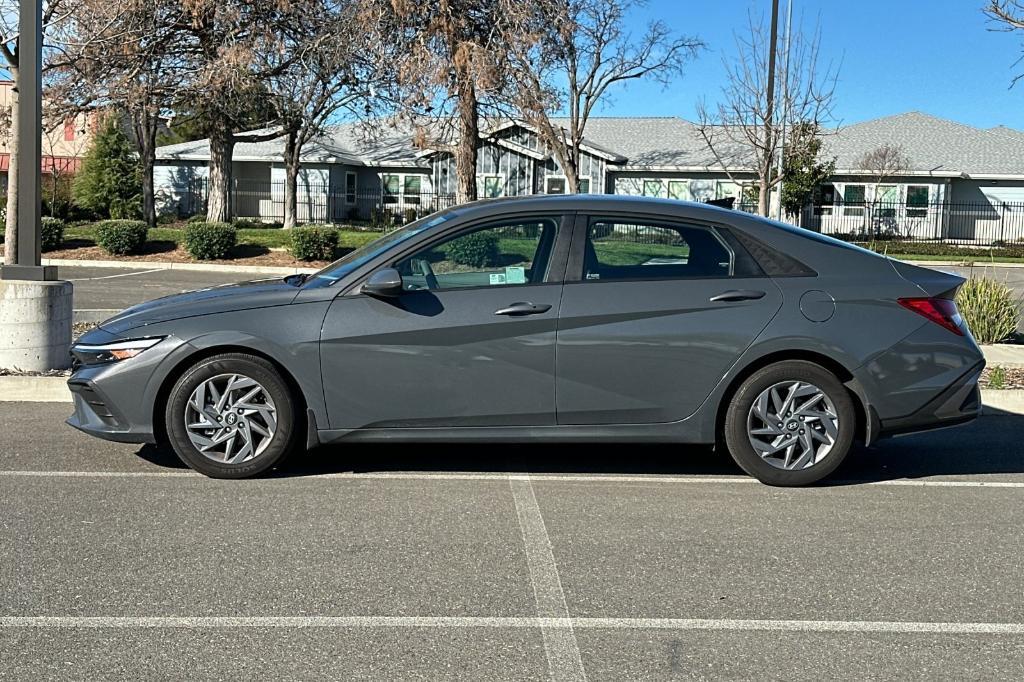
(314, 242)
(477, 249)
(121, 237)
(52, 232)
(210, 241)
(897, 248)
(254, 224)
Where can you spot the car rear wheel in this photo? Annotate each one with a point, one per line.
(790, 423)
(231, 416)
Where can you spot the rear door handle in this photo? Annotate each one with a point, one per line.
(737, 295)
(524, 308)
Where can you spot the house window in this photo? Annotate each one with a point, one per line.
(412, 189)
(584, 185)
(826, 199)
(493, 186)
(886, 197)
(350, 187)
(726, 189)
(392, 185)
(917, 201)
(69, 130)
(853, 200)
(652, 188)
(554, 184)
(678, 189)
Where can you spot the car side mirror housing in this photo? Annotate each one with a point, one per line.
(384, 283)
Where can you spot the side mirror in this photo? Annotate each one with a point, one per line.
(384, 283)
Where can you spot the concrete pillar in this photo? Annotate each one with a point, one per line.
(35, 324)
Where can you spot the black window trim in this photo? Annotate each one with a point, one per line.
(574, 267)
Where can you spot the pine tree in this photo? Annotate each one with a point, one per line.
(108, 183)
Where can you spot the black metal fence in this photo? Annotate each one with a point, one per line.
(317, 203)
(977, 224)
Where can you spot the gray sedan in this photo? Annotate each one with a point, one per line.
(575, 318)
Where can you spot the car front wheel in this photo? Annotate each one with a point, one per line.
(790, 423)
(231, 416)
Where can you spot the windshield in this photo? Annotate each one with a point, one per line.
(354, 259)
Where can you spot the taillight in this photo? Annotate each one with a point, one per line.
(941, 311)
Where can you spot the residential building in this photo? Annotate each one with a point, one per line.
(346, 174)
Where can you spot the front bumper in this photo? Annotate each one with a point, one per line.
(97, 416)
(959, 403)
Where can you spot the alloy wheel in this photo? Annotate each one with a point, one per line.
(230, 418)
(792, 425)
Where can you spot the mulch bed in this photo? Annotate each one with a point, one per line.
(1013, 377)
(169, 252)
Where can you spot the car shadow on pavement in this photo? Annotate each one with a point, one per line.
(989, 446)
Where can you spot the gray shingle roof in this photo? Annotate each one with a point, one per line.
(933, 145)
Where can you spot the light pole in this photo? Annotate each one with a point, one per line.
(35, 307)
(30, 148)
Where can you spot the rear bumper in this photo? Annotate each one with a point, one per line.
(959, 403)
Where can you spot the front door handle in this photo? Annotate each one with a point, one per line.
(524, 308)
(738, 295)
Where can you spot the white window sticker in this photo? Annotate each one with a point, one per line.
(497, 278)
(515, 274)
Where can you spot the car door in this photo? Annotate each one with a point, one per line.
(469, 342)
(658, 313)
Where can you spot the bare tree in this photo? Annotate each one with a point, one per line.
(446, 61)
(565, 55)
(1008, 16)
(326, 73)
(742, 131)
(882, 163)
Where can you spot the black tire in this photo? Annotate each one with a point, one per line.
(738, 442)
(282, 442)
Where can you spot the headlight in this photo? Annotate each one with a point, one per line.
(89, 354)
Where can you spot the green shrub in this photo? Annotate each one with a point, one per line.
(314, 242)
(477, 249)
(197, 218)
(210, 241)
(109, 182)
(410, 215)
(997, 377)
(166, 219)
(52, 230)
(121, 237)
(990, 309)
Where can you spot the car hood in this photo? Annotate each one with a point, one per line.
(262, 293)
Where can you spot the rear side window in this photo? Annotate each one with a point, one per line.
(623, 249)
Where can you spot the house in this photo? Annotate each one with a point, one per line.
(64, 142)
(346, 174)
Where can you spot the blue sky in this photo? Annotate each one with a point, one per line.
(935, 56)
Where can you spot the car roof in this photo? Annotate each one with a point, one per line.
(586, 202)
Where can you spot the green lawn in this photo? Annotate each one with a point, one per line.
(269, 238)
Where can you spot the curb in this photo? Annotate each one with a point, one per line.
(55, 390)
(160, 265)
(961, 263)
(1006, 355)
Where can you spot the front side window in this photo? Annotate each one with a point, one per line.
(627, 249)
(917, 201)
(504, 254)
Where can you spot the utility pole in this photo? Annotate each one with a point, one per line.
(785, 105)
(769, 119)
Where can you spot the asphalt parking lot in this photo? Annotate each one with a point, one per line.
(515, 562)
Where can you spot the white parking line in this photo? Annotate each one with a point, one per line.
(721, 624)
(560, 647)
(484, 476)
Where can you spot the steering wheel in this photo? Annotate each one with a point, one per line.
(421, 266)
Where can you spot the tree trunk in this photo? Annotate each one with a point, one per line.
(145, 124)
(11, 227)
(763, 194)
(469, 134)
(218, 202)
(291, 178)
